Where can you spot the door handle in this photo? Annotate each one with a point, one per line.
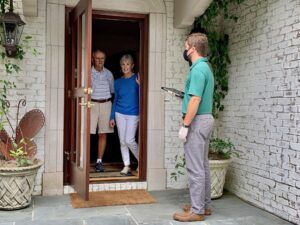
(81, 92)
(88, 104)
(88, 91)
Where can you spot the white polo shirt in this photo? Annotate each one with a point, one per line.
(102, 84)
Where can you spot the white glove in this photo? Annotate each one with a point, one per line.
(183, 133)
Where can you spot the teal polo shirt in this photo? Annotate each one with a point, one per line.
(200, 82)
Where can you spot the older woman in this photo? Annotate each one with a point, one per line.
(125, 111)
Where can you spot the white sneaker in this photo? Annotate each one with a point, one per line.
(126, 171)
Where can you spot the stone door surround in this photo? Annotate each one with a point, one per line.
(55, 44)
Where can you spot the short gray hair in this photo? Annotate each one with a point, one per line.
(126, 57)
(99, 51)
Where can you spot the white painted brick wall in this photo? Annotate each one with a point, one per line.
(30, 81)
(176, 69)
(262, 108)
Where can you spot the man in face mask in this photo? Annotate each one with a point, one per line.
(197, 127)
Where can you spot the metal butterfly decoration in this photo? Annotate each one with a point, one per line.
(30, 124)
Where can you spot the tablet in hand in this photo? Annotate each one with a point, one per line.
(174, 91)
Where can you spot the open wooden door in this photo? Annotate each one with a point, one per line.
(81, 32)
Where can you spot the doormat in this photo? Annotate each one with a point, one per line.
(109, 198)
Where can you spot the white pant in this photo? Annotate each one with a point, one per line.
(127, 126)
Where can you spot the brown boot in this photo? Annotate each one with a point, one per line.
(187, 208)
(188, 217)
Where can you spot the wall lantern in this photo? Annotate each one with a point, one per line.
(12, 26)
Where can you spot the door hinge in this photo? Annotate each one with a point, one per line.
(75, 73)
(67, 155)
(69, 93)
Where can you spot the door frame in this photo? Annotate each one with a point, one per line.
(143, 20)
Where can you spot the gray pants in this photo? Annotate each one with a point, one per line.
(197, 164)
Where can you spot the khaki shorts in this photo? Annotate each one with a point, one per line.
(100, 115)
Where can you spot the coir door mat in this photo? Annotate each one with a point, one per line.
(109, 198)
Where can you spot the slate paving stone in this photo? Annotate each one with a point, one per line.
(248, 214)
(228, 200)
(190, 223)
(250, 220)
(111, 210)
(51, 201)
(16, 215)
(45, 213)
(153, 212)
(67, 212)
(110, 220)
(177, 197)
(228, 210)
(171, 222)
(51, 222)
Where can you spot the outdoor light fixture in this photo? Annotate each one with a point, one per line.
(12, 26)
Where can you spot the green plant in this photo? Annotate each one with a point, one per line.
(221, 149)
(19, 146)
(11, 65)
(179, 167)
(218, 149)
(8, 146)
(4, 4)
(19, 154)
(218, 44)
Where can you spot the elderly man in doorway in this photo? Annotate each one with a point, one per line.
(103, 89)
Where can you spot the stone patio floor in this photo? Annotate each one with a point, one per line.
(57, 210)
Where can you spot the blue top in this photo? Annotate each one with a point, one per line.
(126, 97)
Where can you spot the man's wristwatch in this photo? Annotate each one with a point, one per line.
(185, 126)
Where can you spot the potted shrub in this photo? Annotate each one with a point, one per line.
(220, 153)
(18, 165)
